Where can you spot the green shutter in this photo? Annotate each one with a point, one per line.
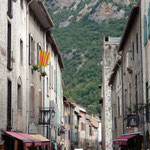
(145, 30)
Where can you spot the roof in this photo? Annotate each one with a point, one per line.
(130, 22)
(94, 122)
(54, 46)
(42, 14)
(113, 75)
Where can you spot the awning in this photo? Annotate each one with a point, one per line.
(27, 139)
(44, 141)
(123, 140)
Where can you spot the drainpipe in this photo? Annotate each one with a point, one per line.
(122, 93)
(27, 66)
(144, 138)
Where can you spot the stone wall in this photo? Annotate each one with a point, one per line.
(109, 59)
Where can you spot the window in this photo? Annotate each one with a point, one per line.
(136, 93)
(32, 58)
(133, 50)
(9, 86)
(55, 80)
(9, 12)
(9, 53)
(137, 43)
(66, 121)
(47, 86)
(69, 134)
(82, 126)
(115, 122)
(50, 72)
(118, 106)
(19, 94)
(40, 98)
(38, 49)
(145, 30)
(147, 103)
(21, 51)
(52, 76)
(32, 101)
(21, 3)
(69, 119)
(130, 98)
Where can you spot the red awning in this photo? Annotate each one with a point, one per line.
(28, 139)
(123, 140)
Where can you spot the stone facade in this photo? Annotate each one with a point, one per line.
(13, 115)
(145, 34)
(116, 98)
(26, 29)
(109, 58)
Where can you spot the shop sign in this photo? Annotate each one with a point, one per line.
(132, 121)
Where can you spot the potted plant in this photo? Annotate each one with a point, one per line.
(43, 74)
(76, 127)
(35, 67)
(129, 109)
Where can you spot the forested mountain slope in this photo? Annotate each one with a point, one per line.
(80, 26)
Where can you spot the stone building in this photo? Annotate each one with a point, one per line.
(115, 83)
(26, 93)
(109, 58)
(131, 70)
(39, 22)
(13, 66)
(53, 86)
(145, 42)
(82, 127)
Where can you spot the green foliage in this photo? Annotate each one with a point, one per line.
(83, 77)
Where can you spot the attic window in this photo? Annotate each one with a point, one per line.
(106, 38)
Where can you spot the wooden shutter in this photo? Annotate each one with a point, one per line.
(145, 30)
(32, 102)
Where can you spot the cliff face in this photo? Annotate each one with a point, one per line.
(98, 10)
(80, 26)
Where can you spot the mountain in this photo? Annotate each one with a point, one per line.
(80, 26)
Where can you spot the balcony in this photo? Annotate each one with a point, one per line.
(45, 115)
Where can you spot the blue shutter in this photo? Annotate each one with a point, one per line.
(145, 30)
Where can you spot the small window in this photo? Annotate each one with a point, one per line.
(9, 52)
(118, 106)
(145, 30)
(133, 50)
(21, 51)
(147, 103)
(19, 97)
(9, 12)
(21, 3)
(47, 86)
(32, 102)
(55, 80)
(106, 38)
(137, 43)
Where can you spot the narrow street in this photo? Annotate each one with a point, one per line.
(75, 75)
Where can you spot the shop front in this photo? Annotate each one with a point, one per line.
(24, 141)
(129, 142)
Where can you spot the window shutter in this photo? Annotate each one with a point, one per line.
(145, 30)
(29, 49)
(149, 21)
(35, 54)
(38, 48)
